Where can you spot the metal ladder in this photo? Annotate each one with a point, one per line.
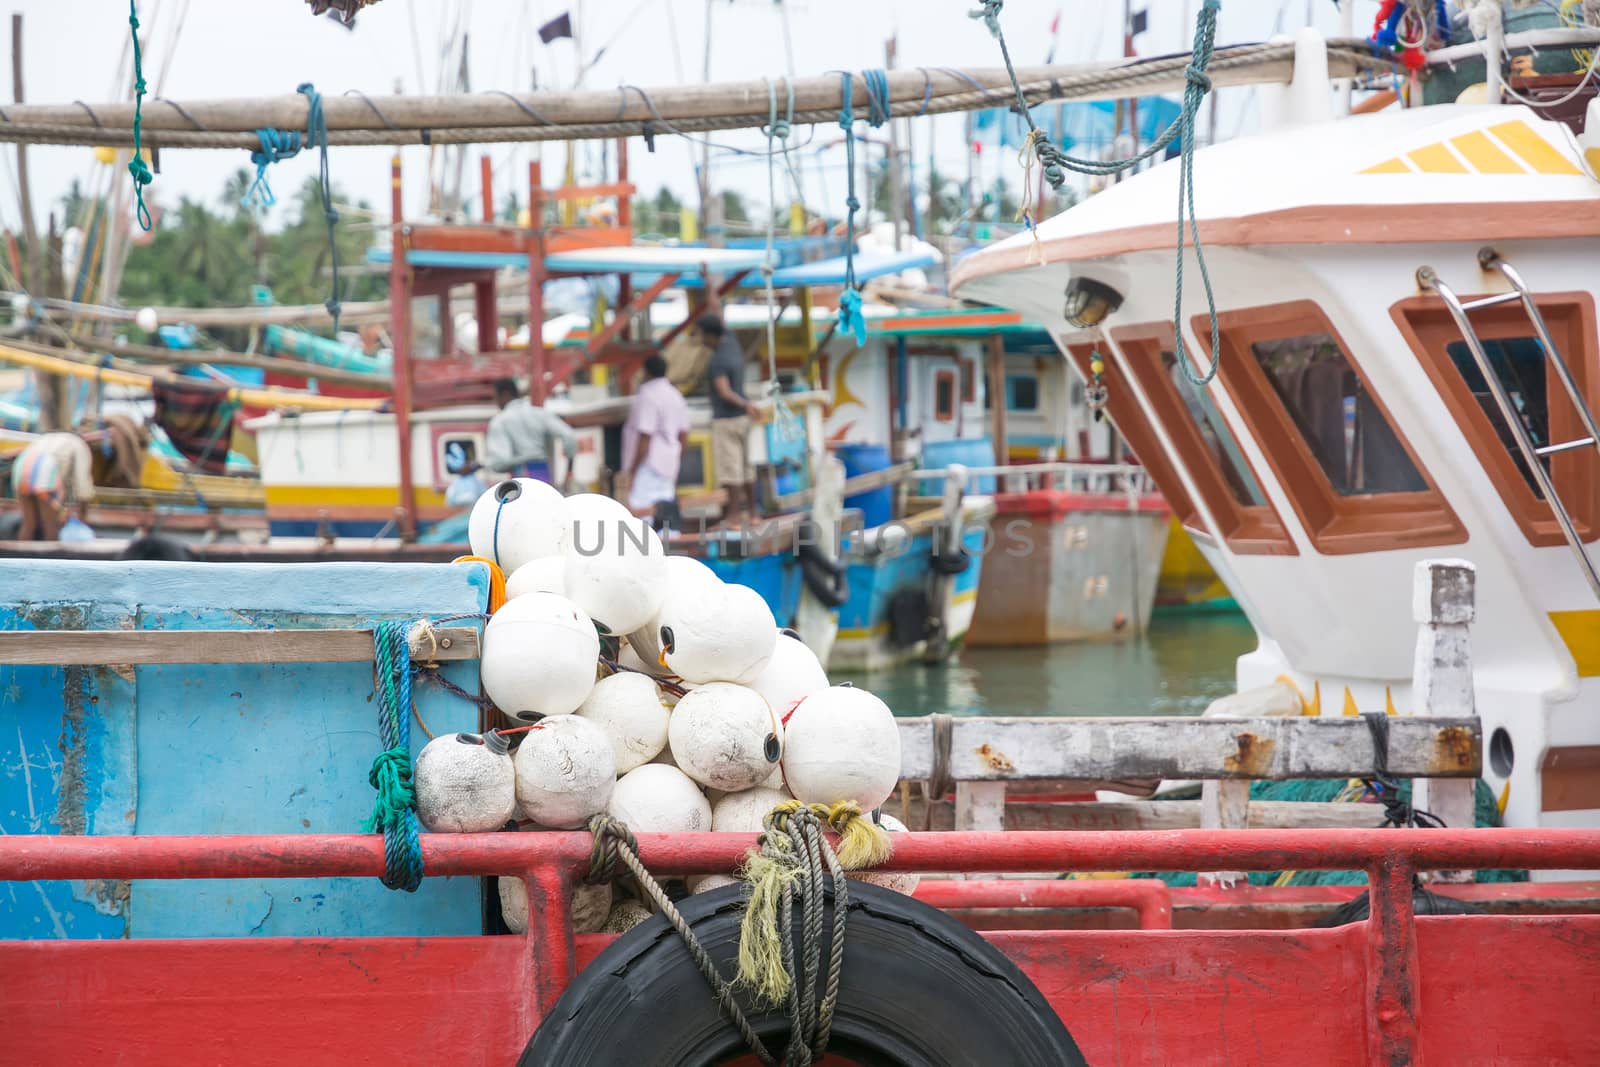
(1489, 259)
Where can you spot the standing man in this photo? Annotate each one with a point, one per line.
(653, 439)
(49, 478)
(523, 438)
(730, 415)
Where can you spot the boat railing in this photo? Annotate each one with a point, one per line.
(1126, 478)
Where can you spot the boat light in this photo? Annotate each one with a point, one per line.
(1089, 302)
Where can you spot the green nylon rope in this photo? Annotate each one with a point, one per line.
(137, 166)
(394, 809)
(1056, 162)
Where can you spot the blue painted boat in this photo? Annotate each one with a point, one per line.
(179, 748)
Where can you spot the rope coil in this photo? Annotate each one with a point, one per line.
(394, 809)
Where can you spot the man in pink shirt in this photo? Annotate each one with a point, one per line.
(653, 439)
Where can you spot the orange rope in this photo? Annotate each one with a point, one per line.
(497, 580)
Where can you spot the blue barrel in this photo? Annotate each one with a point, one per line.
(877, 505)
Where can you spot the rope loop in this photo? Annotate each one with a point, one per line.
(137, 167)
(317, 137)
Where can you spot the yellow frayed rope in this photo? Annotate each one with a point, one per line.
(791, 861)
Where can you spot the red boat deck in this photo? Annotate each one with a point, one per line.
(1501, 989)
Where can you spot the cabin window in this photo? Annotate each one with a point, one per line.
(1542, 406)
(1331, 442)
(944, 395)
(1336, 417)
(969, 382)
(1219, 440)
(692, 469)
(1208, 448)
(1022, 392)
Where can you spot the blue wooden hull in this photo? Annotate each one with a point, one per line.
(182, 749)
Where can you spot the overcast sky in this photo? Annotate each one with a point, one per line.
(240, 48)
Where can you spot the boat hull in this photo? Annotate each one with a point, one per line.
(866, 638)
(1065, 566)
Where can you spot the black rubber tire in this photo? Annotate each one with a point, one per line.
(1359, 909)
(918, 989)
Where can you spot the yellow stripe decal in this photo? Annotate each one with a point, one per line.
(1389, 166)
(352, 495)
(1592, 157)
(1437, 159)
(1484, 155)
(1580, 632)
(1534, 150)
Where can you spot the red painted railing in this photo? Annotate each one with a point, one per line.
(1531, 983)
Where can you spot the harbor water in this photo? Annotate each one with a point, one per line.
(1182, 664)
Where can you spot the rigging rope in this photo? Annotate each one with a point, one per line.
(1197, 83)
(137, 166)
(851, 321)
(393, 811)
(317, 137)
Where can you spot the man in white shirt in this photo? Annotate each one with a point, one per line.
(523, 438)
(653, 439)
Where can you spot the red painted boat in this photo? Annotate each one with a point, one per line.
(1516, 987)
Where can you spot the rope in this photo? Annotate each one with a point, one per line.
(137, 166)
(393, 811)
(851, 321)
(497, 578)
(317, 137)
(613, 842)
(276, 145)
(1197, 83)
(1396, 811)
(796, 860)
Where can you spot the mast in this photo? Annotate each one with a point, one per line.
(895, 191)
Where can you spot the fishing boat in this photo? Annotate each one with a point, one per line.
(225, 715)
(1388, 288)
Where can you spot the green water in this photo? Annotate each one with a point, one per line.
(1183, 663)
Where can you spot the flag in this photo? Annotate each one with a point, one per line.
(1055, 37)
(1139, 23)
(560, 26)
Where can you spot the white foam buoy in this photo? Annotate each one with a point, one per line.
(625, 915)
(147, 320)
(518, 520)
(658, 799)
(465, 783)
(565, 772)
(841, 744)
(539, 656)
(628, 707)
(631, 659)
(725, 736)
(547, 575)
(742, 812)
(706, 883)
(616, 565)
(901, 882)
(591, 904)
(792, 674)
(724, 633)
(684, 575)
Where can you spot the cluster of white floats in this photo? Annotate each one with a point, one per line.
(758, 723)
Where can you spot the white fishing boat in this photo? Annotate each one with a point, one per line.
(1408, 367)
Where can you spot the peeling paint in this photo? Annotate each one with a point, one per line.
(1253, 758)
(996, 760)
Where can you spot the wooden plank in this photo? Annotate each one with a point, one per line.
(980, 806)
(1142, 815)
(106, 647)
(1007, 749)
(1443, 598)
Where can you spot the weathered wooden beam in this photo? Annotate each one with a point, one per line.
(1134, 815)
(924, 90)
(1443, 602)
(99, 648)
(1006, 749)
